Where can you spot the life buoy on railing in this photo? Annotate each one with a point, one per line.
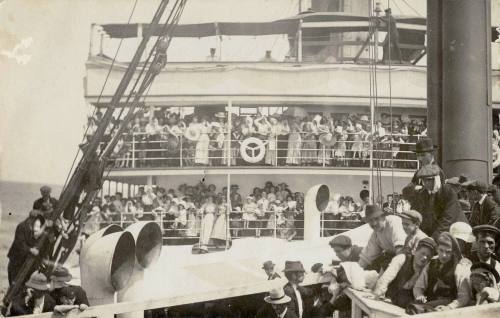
(192, 134)
(252, 150)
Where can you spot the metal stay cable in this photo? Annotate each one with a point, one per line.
(100, 94)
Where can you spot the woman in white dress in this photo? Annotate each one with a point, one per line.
(272, 142)
(249, 214)
(208, 211)
(294, 145)
(202, 144)
(220, 231)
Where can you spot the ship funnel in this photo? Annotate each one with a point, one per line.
(315, 202)
(148, 244)
(106, 264)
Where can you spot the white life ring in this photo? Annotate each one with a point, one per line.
(252, 150)
(192, 134)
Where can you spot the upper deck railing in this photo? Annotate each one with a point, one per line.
(163, 150)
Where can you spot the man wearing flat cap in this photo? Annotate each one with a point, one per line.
(301, 297)
(46, 203)
(437, 202)
(343, 248)
(387, 240)
(486, 236)
(424, 149)
(411, 221)
(484, 209)
(398, 280)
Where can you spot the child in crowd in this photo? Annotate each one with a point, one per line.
(411, 222)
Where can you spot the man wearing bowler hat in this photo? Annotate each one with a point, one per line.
(486, 236)
(278, 305)
(387, 240)
(484, 209)
(301, 297)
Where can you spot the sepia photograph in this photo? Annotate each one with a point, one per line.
(249, 158)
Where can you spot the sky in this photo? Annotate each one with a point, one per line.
(43, 48)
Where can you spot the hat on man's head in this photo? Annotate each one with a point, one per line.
(428, 171)
(268, 265)
(373, 211)
(424, 145)
(485, 269)
(294, 266)
(277, 296)
(61, 274)
(412, 215)
(463, 231)
(45, 188)
(478, 185)
(486, 228)
(37, 281)
(427, 242)
(341, 240)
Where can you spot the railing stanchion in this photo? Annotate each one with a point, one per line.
(180, 151)
(276, 149)
(133, 150)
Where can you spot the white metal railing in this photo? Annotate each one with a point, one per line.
(269, 224)
(140, 150)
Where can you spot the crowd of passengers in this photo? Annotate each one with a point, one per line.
(432, 256)
(164, 138)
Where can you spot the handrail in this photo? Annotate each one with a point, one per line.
(373, 308)
(139, 151)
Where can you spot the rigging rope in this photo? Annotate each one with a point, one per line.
(100, 95)
(390, 93)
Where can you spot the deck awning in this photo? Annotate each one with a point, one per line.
(206, 29)
(334, 21)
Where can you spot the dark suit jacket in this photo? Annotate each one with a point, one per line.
(39, 204)
(438, 211)
(274, 276)
(19, 307)
(268, 312)
(23, 241)
(485, 213)
(80, 295)
(307, 299)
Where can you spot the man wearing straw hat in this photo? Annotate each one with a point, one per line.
(278, 305)
(34, 299)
